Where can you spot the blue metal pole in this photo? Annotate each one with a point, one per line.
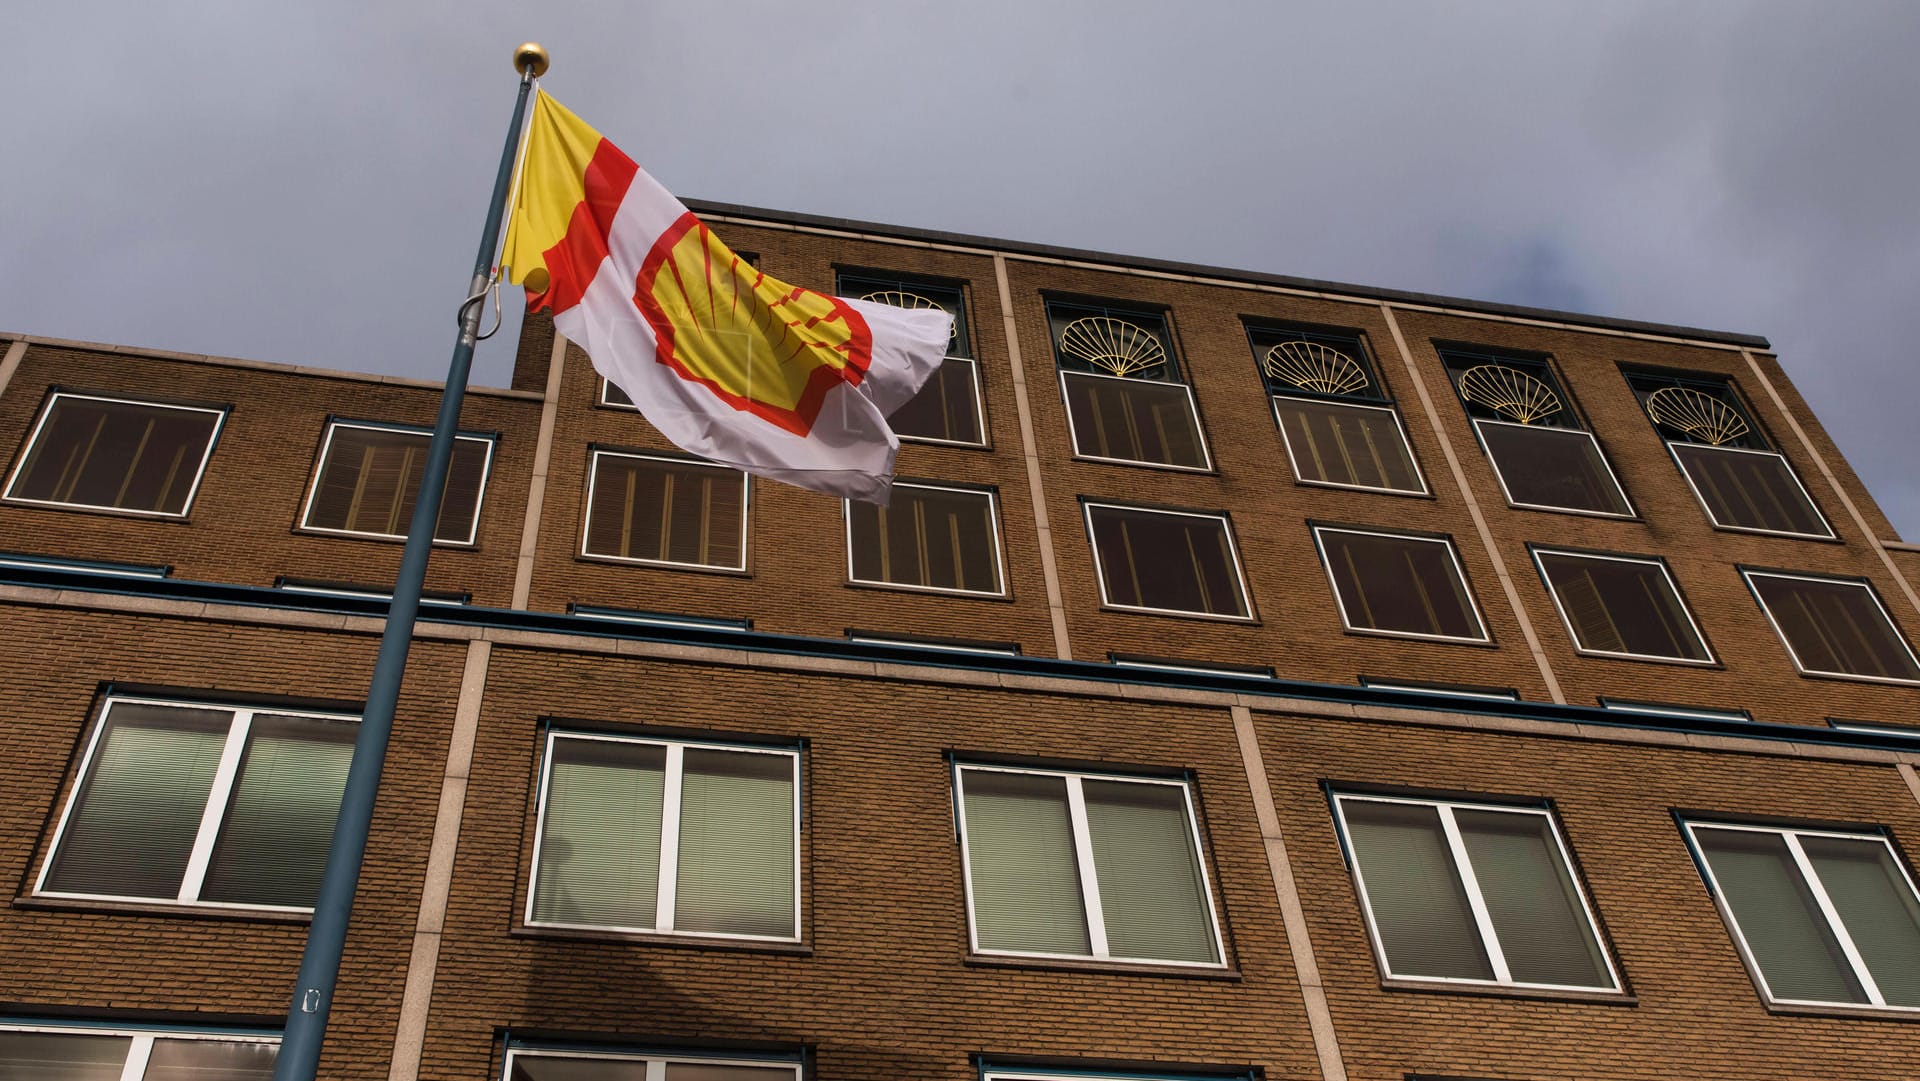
(320, 965)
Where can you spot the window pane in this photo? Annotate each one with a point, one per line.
(600, 840)
(1173, 562)
(929, 537)
(141, 803)
(1878, 908)
(1414, 892)
(53, 1056)
(1750, 491)
(1133, 420)
(1778, 917)
(1347, 444)
(945, 408)
(1536, 910)
(1151, 893)
(558, 1068)
(274, 839)
(736, 844)
(666, 511)
(1616, 606)
(1026, 890)
(1835, 626)
(708, 1071)
(1405, 585)
(210, 1060)
(1553, 467)
(371, 479)
(123, 455)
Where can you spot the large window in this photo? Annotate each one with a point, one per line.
(118, 455)
(1179, 562)
(1741, 481)
(369, 479)
(1472, 893)
(1126, 401)
(1339, 426)
(650, 508)
(63, 1051)
(1834, 626)
(1543, 455)
(1084, 865)
(202, 805)
(947, 409)
(1821, 916)
(530, 1062)
(1398, 583)
(928, 537)
(667, 837)
(1619, 606)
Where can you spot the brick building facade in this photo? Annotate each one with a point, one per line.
(1253, 677)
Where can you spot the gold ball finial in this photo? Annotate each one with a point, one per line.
(531, 56)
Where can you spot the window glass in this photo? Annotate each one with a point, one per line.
(1025, 886)
(116, 455)
(600, 833)
(1541, 451)
(1126, 401)
(1750, 490)
(947, 408)
(1166, 561)
(61, 1056)
(927, 538)
(1398, 584)
(1353, 446)
(736, 873)
(1622, 606)
(1835, 627)
(666, 510)
(369, 479)
(84, 1053)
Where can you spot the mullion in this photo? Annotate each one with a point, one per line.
(1083, 865)
(138, 1052)
(666, 889)
(1476, 901)
(215, 812)
(1832, 916)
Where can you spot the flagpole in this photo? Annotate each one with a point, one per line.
(320, 965)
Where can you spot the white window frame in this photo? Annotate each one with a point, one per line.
(586, 512)
(212, 817)
(141, 1049)
(1195, 668)
(1494, 461)
(993, 518)
(1573, 633)
(656, 1064)
(1193, 410)
(1656, 709)
(326, 453)
(873, 639)
(1872, 594)
(979, 409)
(604, 399)
(1083, 865)
(46, 414)
(1233, 549)
(1453, 556)
(1442, 692)
(666, 891)
(1293, 460)
(1470, 883)
(1717, 523)
(1815, 887)
(1873, 729)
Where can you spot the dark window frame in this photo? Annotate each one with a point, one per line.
(1263, 337)
(1457, 359)
(961, 347)
(55, 395)
(1153, 320)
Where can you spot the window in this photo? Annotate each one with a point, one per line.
(1664, 709)
(1454, 690)
(938, 539)
(534, 1063)
(680, 512)
(1178, 562)
(1834, 627)
(1196, 668)
(611, 395)
(113, 454)
(1543, 456)
(1396, 583)
(1820, 916)
(1839, 724)
(1085, 866)
(66, 1051)
(947, 409)
(1125, 399)
(1740, 480)
(1619, 606)
(943, 645)
(369, 478)
(1339, 426)
(647, 835)
(1472, 893)
(202, 805)
(658, 619)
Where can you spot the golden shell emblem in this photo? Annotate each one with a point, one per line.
(1702, 416)
(1509, 392)
(1120, 347)
(1315, 367)
(900, 298)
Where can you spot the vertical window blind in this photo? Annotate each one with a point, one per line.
(1621, 605)
(1166, 561)
(1835, 626)
(116, 455)
(1399, 584)
(666, 510)
(1340, 443)
(929, 538)
(370, 478)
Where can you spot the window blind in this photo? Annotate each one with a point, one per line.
(54, 1056)
(1152, 895)
(1778, 916)
(600, 837)
(1025, 884)
(1878, 908)
(1354, 445)
(736, 844)
(1536, 911)
(275, 835)
(1419, 905)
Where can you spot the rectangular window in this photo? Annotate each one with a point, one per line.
(81, 1052)
(534, 1063)
(1542, 454)
(662, 837)
(1086, 866)
(1178, 562)
(202, 805)
(947, 409)
(1470, 893)
(369, 479)
(1339, 427)
(1622, 607)
(1821, 917)
(1394, 583)
(118, 455)
(1664, 709)
(1126, 401)
(1455, 690)
(1834, 627)
(945, 540)
(645, 508)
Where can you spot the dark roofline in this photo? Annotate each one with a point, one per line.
(1167, 266)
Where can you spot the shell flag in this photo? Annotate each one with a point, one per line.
(726, 362)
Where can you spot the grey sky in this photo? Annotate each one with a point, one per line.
(305, 184)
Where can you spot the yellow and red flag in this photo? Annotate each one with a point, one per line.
(728, 363)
